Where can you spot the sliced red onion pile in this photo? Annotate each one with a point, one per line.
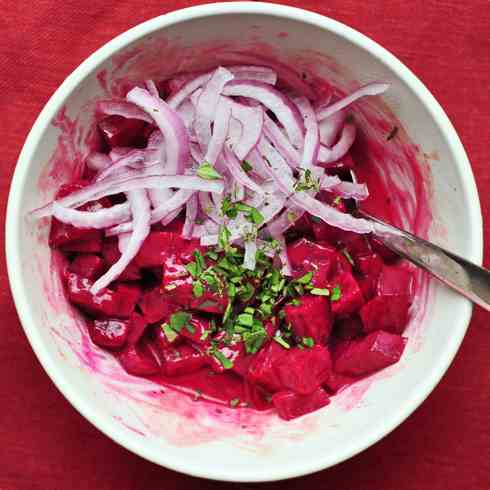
(226, 136)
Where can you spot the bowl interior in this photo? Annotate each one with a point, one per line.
(171, 429)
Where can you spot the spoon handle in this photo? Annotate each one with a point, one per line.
(468, 279)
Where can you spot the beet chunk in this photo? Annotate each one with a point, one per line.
(348, 328)
(111, 253)
(388, 313)
(110, 334)
(306, 256)
(120, 131)
(364, 356)
(182, 360)
(395, 281)
(87, 265)
(137, 328)
(83, 246)
(108, 302)
(138, 361)
(290, 405)
(311, 318)
(304, 370)
(383, 251)
(156, 305)
(262, 371)
(350, 299)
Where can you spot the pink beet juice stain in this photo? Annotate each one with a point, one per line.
(399, 194)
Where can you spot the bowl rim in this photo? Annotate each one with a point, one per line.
(21, 174)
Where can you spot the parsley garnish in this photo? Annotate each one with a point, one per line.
(348, 256)
(320, 291)
(206, 171)
(307, 182)
(246, 166)
(179, 320)
(281, 341)
(308, 342)
(336, 294)
(235, 402)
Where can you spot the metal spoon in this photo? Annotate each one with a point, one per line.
(468, 279)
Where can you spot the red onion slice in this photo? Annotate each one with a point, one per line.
(345, 189)
(249, 258)
(122, 108)
(98, 161)
(171, 126)
(152, 88)
(207, 104)
(369, 89)
(330, 127)
(191, 86)
(238, 173)
(140, 209)
(281, 142)
(191, 211)
(220, 129)
(123, 241)
(103, 218)
(331, 215)
(312, 136)
(134, 159)
(251, 120)
(250, 72)
(347, 137)
(276, 167)
(208, 207)
(284, 109)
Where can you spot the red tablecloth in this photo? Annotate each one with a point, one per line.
(45, 444)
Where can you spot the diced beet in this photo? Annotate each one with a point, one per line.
(302, 226)
(341, 264)
(257, 396)
(105, 303)
(156, 305)
(137, 326)
(348, 328)
(388, 313)
(369, 265)
(395, 281)
(386, 254)
(332, 199)
(111, 333)
(138, 361)
(182, 360)
(368, 286)
(160, 246)
(129, 295)
(198, 331)
(108, 303)
(363, 356)
(306, 256)
(111, 253)
(176, 226)
(63, 234)
(83, 246)
(337, 381)
(120, 131)
(311, 318)
(177, 284)
(241, 360)
(87, 265)
(261, 370)
(356, 244)
(304, 370)
(290, 405)
(351, 298)
(165, 339)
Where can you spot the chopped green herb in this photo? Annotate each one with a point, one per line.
(282, 342)
(336, 294)
(305, 279)
(170, 287)
(291, 216)
(169, 332)
(227, 313)
(204, 335)
(337, 200)
(315, 219)
(295, 302)
(224, 361)
(246, 292)
(348, 256)
(224, 237)
(308, 342)
(207, 171)
(320, 291)
(245, 319)
(231, 290)
(254, 340)
(199, 260)
(197, 289)
(235, 402)
(190, 328)
(208, 304)
(212, 255)
(307, 182)
(246, 166)
(179, 320)
(193, 269)
(197, 395)
(255, 217)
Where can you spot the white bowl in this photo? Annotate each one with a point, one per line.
(169, 429)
